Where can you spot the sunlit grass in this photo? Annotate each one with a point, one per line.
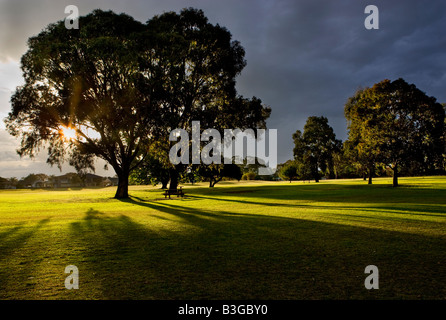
(247, 240)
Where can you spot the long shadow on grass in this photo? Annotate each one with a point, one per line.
(402, 200)
(406, 211)
(328, 192)
(218, 255)
(16, 237)
(14, 269)
(410, 214)
(400, 208)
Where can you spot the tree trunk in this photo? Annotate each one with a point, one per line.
(316, 173)
(395, 175)
(370, 174)
(213, 182)
(123, 186)
(173, 179)
(164, 183)
(331, 170)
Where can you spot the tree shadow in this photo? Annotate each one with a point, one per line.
(325, 192)
(12, 241)
(222, 255)
(405, 201)
(16, 237)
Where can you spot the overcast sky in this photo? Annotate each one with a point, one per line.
(304, 58)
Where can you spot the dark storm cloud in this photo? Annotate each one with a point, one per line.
(304, 58)
(315, 54)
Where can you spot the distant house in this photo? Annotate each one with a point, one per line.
(68, 180)
(92, 180)
(3, 183)
(39, 180)
(113, 181)
(73, 180)
(6, 184)
(42, 183)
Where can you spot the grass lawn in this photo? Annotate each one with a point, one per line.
(247, 240)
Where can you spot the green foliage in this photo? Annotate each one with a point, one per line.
(294, 170)
(214, 173)
(87, 80)
(315, 147)
(249, 176)
(199, 63)
(396, 124)
(289, 171)
(150, 171)
(7, 183)
(122, 85)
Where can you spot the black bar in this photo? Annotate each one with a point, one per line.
(226, 309)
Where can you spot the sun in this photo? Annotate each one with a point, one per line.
(68, 133)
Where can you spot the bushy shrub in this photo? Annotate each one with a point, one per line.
(249, 176)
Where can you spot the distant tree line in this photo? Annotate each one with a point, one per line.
(68, 180)
(393, 129)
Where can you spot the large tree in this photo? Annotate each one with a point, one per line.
(115, 86)
(444, 139)
(199, 63)
(361, 147)
(82, 97)
(316, 146)
(397, 124)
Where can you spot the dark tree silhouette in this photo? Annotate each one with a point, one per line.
(216, 172)
(81, 97)
(199, 63)
(315, 146)
(289, 171)
(113, 87)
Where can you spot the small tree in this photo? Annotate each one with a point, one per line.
(289, 171)
(251, 175)
(216, 172)
(315, 147)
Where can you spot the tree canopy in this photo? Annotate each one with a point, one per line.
(115, 86)
(199, 63)
(86, 81)
(397, 124)
(315, 146)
